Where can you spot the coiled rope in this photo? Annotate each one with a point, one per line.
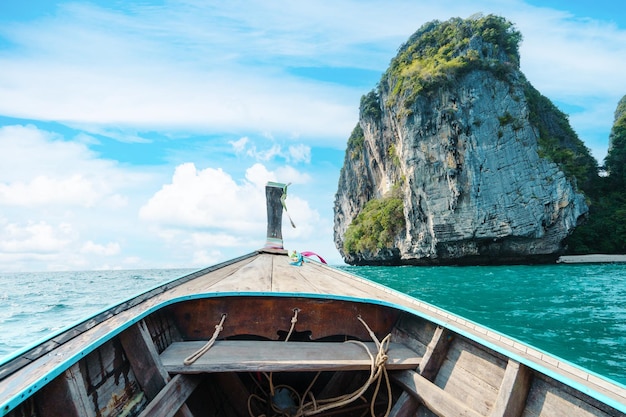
(194, 356)
(378, 371)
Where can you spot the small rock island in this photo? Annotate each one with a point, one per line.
(457, 158)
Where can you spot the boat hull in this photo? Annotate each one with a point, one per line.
(283, 340)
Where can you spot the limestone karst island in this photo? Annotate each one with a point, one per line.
(458, 159)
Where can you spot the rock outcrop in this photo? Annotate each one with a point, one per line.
(457, 134)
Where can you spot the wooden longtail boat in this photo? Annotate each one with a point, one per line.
(262, 335)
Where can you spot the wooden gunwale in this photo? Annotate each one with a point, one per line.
(43, 366)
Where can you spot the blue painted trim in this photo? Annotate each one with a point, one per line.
(68, 362)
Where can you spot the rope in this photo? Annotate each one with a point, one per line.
(294, 320)
(194, 356)
(283, 197)
(378, 371)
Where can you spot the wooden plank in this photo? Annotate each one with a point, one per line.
(248, 355)
(147, 367)
(273, 195)
(435, 353)
(144, 359)
(331, 281)
(268, 317)
(547, 399)
(471, 373)
(289, 278)
(254, 276)
(513, 391)
(434, 398)
(172, 397)
(206, 282)
(312, 277)
(68, 387)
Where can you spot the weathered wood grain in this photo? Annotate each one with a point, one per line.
(247, 355)
(273, 194)
(470, 374)
(144, 359)
(267, 317)
(435, 353)
(513, 391)
(172, 397)
(234, 389)
(546, 399)
(254, 276)
(69, 387)
(434, 398)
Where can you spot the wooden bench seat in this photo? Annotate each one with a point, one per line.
(270, 356)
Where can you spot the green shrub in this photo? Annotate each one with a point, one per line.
(605, 229)
(370, 106)
(376, 226)
(557, 140)
(440, 51)
(506, 119)
(356, 142)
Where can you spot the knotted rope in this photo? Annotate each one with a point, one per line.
(294, 320)
(194, 356)
(300, 408)
(377, 370)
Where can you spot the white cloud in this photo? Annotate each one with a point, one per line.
(74, 190)
(33, 159)
(58, 199)
(568, 57)
(207, 210)
(239, 145)
(66, 208)
(206, 257)
(300, 153)
(34, 237)
(259, 175)
(207, 198)
(266, 154)
(111, 248)
(218, 67)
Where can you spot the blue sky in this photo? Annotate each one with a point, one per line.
(141, 134)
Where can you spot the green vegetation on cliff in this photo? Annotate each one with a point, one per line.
(370, 106)
(377, 225)
(615, 161)
(439, 51)
(557, 140)
(605, 230)
(356, 142)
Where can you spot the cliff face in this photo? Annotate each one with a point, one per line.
(462, 154)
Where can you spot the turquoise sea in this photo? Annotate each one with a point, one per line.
(576, 312)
